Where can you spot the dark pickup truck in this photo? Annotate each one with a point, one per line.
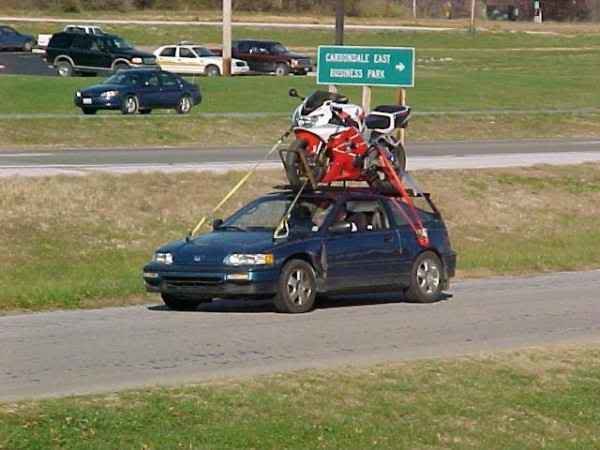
(270, 57)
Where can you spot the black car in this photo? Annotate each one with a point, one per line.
(74, 52)
(335, 241)
(270, 57)
(139, 90)
(11, 39)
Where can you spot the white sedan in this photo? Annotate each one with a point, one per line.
(195, 59)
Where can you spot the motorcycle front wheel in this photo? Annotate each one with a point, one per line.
(295, 171)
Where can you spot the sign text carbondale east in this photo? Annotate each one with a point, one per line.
(367, 66)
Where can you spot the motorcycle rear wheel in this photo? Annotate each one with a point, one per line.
(384, 186)
(294, 170)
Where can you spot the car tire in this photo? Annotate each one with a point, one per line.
(89, 111)
(282, 70)
(64, 69)
(28, 46)
(121, 66)
(293, 162)
(425, 279)
(145, 111)
(212, 71)
(130, 105)
(184, 105)
(180, 304)
(297, 288)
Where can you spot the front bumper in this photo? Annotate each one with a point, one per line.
(98, 102)
(211, 283)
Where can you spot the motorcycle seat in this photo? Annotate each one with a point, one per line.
(393, 109)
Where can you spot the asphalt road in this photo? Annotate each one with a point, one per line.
(19, 63)
(438, 155)
(59, 353)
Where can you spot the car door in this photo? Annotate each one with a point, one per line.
(167, 58)
(149, 93)
(188, 62)
(80, 51)
(364, 255)
(170, 89)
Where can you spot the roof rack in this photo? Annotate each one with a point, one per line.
(358, 189)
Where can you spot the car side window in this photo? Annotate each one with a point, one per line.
(82, 42)
(399, 214)
(186, 53)
(244, 47)
(152, 81)
(60, 41)
(366, 215)
(168, 80)
(168, 52)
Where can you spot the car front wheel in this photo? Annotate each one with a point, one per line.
(130, 105)
(282, 70)
(185, 105)
(425, 279)
(180, 304)
(297, 288)
(64, 68)
(28, 46)
(212, 71)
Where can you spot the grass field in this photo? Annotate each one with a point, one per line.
(73, 242)
(533, 399)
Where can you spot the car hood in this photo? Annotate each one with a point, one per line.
(295, 55)
(100, 88)
(212, 248)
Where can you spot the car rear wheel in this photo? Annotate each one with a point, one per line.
(89, 111)
(185, 105)
(282, 70)
(130, 105)
(64, 68)
(425, 279)
(28, 46)
(212, 71)
(179, 303)
(297, 288)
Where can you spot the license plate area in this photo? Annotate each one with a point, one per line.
(87, 101)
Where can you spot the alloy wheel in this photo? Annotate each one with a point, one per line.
(428, 276)
(299, 287)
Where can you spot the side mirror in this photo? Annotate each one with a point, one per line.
(293, 93)
(340, 227)
(217, 223)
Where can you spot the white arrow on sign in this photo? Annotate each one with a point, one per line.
(400, 67)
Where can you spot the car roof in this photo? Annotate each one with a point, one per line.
(263, 41)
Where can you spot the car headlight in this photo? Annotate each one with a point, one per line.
(78, 94)
(238, 259)
(294, 62)
(137, 60)
(163, 258)
(109, 94)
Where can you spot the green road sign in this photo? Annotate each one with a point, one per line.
(367, 66)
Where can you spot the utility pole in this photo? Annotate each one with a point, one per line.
(226, 38)
(339, 22)
(414, 9)
(472, 15)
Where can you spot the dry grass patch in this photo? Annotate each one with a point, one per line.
(72, 242)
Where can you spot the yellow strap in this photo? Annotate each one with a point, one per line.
(239, 184)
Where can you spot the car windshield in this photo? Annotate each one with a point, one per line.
(203, 51)
(124, 78)
(278, 48)
(117, 43)
(308, 215)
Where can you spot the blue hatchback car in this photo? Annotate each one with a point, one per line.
(11, 39)
(139, 90)
(334, 242)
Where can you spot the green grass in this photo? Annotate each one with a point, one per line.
(74, 242)
(544, 398)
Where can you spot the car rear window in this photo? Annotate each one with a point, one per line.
(61, 40)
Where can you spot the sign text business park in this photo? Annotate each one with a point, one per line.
(366, 66)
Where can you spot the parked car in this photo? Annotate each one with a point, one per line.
(195, 59)
(11, 39)
(270, 57)
(347, 240)
(139, 90)
(77, 52)
(87, 29)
